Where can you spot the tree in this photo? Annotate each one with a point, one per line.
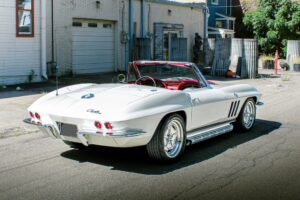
(273, 23)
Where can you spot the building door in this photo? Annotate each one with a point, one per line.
(174, 46)
(92, 46)
(179, 49)
(169, 36)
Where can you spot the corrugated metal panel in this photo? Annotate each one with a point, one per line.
(250, 66)
(179, 49)
(238, 55)
(293, 51)
(144, 48)
(221, 57)
(209, 46)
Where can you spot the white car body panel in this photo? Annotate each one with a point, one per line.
(135, 111)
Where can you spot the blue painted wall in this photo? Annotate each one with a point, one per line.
(220, 8)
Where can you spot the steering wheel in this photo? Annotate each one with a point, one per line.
(147, 78)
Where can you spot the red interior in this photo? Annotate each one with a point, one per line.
(181, 85)
(171, 85)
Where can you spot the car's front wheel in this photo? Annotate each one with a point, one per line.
(247, 116)
(169, 140)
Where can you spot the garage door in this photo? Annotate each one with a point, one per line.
(92, 47)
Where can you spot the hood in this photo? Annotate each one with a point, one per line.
(104, 98)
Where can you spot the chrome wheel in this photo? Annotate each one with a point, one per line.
(173, 138)
(169, 140)
(249, 114)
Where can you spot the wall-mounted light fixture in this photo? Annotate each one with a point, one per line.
(98, 4)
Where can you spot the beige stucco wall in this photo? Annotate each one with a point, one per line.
(66, 10)
(191, 18)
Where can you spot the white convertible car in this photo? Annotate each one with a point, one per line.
(161, 105)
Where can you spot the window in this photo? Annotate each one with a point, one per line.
(92, 25)
(77, 24)
(219, 24)
(25, 18)
(107, 26)
(215, 2)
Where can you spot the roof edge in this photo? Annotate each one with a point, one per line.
(190, 5)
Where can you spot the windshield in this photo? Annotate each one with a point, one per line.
(166, 72)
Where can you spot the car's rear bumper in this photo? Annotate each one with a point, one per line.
(116, 138)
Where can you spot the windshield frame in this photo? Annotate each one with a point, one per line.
(134, 67)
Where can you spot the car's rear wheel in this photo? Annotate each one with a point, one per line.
(247, 116)
(168, 142)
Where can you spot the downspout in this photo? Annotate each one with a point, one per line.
(43, 53)
(52, 31)
(142, 18)
(205, 34)
(131, 11)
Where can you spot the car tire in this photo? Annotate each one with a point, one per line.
(247, 116)
(169, 140)
(74, 145)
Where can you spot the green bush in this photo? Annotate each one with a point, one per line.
(273, 23)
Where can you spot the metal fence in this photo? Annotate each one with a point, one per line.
(238, 55)
(293, 52)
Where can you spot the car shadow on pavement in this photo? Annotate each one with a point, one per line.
(136, 160)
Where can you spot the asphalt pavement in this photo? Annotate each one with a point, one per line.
(261, 164)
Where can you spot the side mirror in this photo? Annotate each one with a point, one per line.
(122, 78)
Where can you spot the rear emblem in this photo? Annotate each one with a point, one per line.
(88, 96)
(93, 111)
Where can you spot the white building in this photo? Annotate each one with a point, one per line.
(92, 36)
(22, 52)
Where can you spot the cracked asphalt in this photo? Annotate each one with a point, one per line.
(261, 164)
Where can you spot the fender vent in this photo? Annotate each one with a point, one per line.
(233, 109)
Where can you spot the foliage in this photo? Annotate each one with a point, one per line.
(265, 58)
(273, 23)
(296, 61)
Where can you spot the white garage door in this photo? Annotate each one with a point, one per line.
(92, 47)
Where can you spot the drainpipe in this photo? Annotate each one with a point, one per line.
(131, 11)
(52, 30)
(205, 34)
(142, 18)
(43, 54)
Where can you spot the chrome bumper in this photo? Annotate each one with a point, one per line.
(53, 132)
(49, 129)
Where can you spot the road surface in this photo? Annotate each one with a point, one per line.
(261, 164)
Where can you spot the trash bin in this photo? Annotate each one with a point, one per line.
(297, 67)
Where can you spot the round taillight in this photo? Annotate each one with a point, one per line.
(37, 115)
(31, 114)
(98, 125)
(108, 125)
